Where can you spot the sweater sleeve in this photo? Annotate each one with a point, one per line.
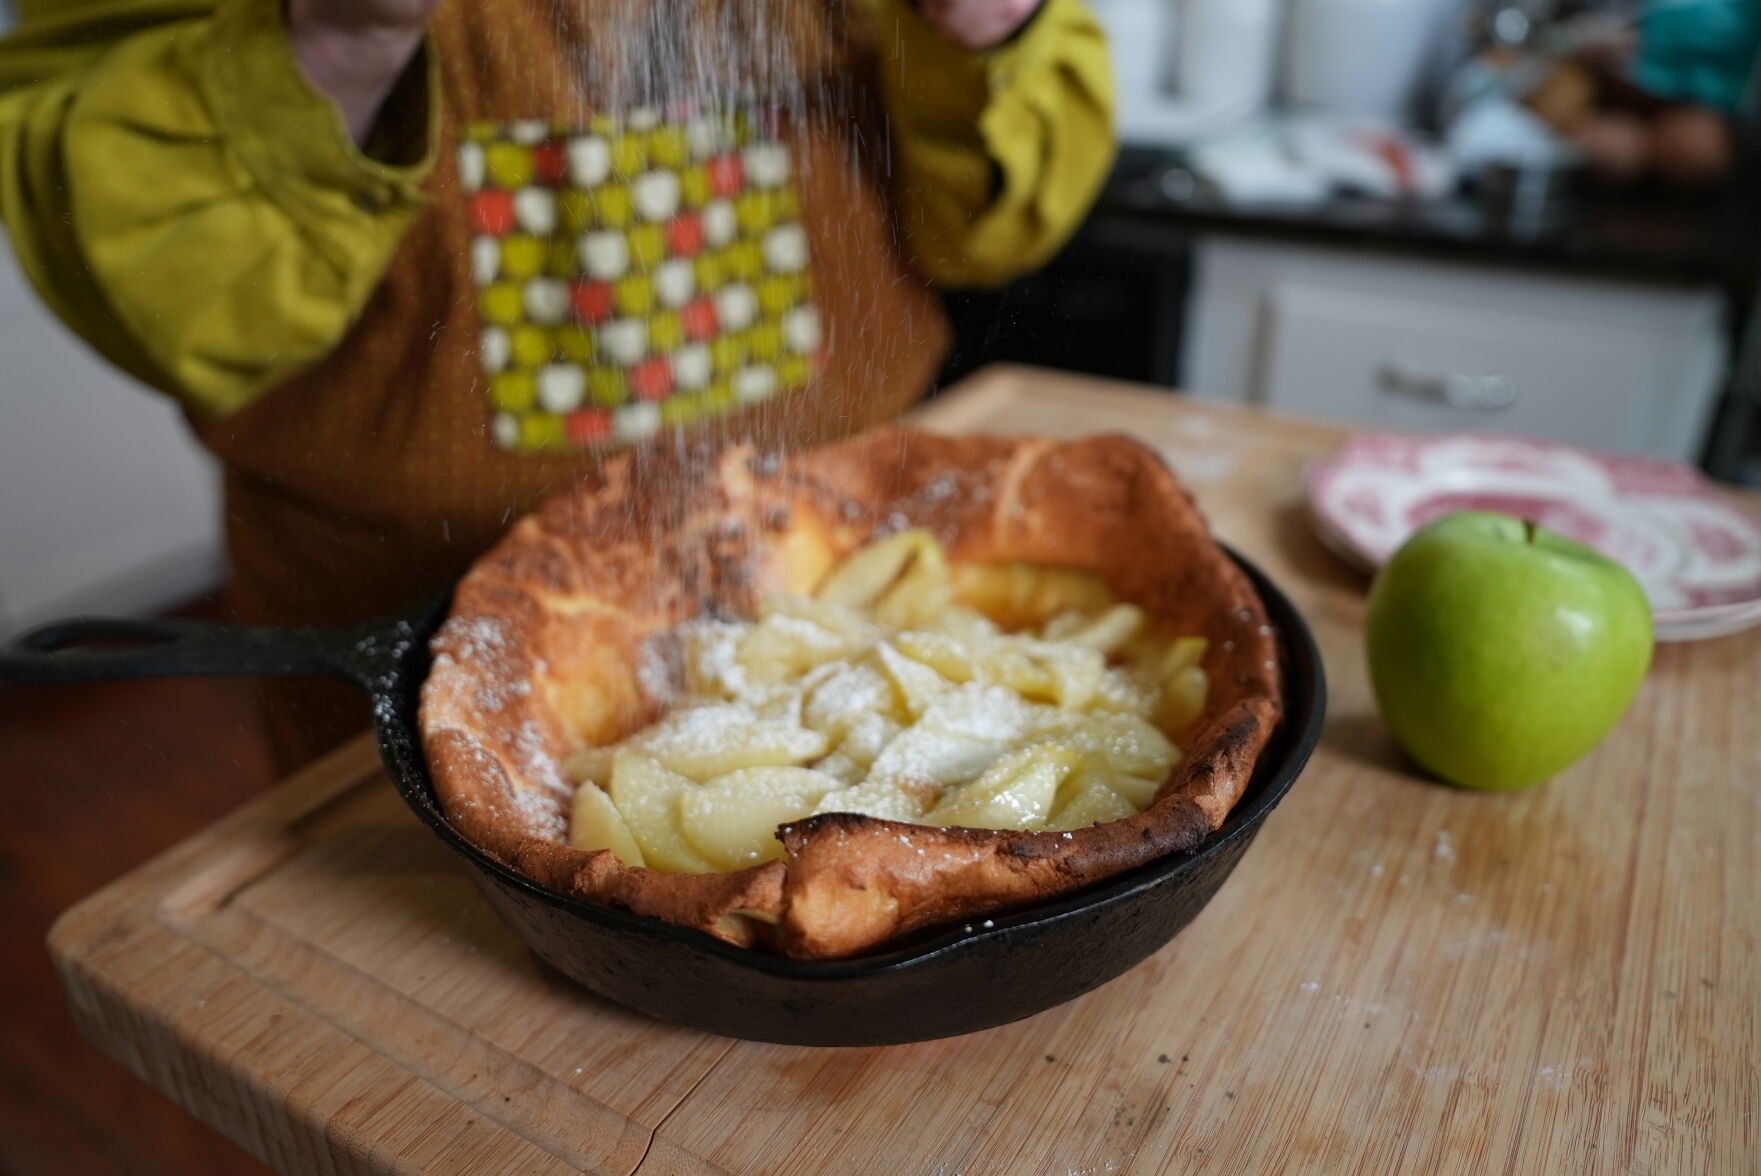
(1001, 154)
(185, 201)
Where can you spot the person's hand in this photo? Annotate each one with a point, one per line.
(353, 51)
(977, 25)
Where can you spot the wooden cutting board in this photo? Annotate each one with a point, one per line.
(1399, 976)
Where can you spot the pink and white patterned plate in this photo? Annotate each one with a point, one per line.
(1695, 552)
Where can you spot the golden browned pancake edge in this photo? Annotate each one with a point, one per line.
(548, 650)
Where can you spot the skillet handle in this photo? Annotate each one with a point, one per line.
(63, 652)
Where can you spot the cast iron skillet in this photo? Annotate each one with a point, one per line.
(934, 984)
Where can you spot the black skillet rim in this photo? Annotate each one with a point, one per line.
(396, 700)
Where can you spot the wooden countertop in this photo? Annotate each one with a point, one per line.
(1398, 976)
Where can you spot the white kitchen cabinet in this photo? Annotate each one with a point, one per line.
(1413, 345)
(107, 505)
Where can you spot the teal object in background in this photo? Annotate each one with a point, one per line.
(1700, 51)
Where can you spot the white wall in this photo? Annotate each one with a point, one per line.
(107, 505)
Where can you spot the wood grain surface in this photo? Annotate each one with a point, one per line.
(1399, 977)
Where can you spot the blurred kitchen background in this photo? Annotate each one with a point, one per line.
(1515, 215)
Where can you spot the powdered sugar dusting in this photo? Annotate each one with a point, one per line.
(659, 668)
(481, 645)
(711, 652)
(845, 695)
(1444, 849)
(495, 695)
(541, 814)
(476, 640)
(941, 488)
(536, 762)
(934, 716)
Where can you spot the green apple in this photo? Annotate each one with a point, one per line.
(1499, 652)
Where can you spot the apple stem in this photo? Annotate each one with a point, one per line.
(1529, 529)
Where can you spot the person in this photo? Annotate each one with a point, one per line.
(412, 266)
(1666, 95)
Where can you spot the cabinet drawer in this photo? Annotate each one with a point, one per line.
(1431, 366)
(1383, 341)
